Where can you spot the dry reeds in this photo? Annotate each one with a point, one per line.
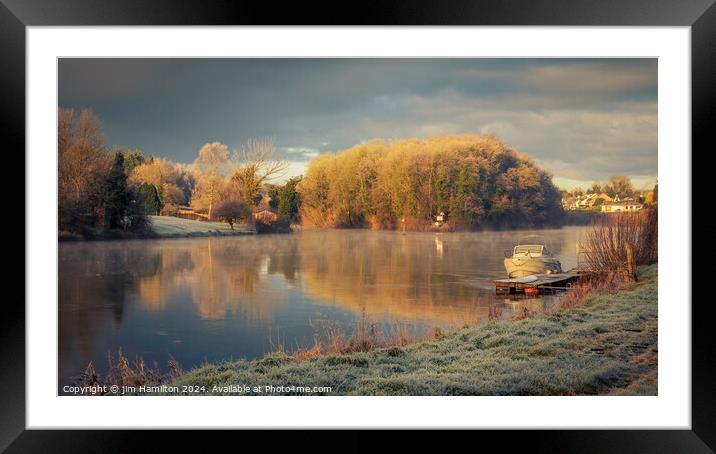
(495, 313)
(523, 314)
(123, 372)
(366, 336)
(606, 243)
(597, 284)
(302, 354)
(606, 251)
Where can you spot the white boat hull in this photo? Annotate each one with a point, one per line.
(527, 266)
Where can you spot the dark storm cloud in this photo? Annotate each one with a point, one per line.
(581, 119)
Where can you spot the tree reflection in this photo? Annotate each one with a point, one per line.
(437, 279)
(391, 275)
(94, 288)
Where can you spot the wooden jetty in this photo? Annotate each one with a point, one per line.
(537, 283)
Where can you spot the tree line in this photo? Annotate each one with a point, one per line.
(93, 188)
(617, 185)
(475, 181)
(107, 190)
(472, 181)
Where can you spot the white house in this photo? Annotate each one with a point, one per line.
(624, 206)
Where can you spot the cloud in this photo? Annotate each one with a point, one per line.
(591, 78)
(577, 144)
(296, 154)
(582, 119)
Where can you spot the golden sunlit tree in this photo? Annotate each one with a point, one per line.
(253, 166)
(210, 167)
(162, 174)
(475, 180)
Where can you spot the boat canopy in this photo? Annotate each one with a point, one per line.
(529, 249)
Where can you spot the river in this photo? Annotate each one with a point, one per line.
(218, 298)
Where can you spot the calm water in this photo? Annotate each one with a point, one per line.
(218, 298)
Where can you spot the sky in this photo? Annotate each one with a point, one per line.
(583, 120)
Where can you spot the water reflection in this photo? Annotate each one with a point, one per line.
(439, 246)
(215, 298)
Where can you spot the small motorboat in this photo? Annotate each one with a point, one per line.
(530, 257)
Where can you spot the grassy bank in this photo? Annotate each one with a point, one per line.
(172, 227)
(164, 227)
(607, 346)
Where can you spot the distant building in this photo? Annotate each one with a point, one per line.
(621, 206)
(568, 203)
(604, 197)
(189, 213)
(585, 201)
(618, 198)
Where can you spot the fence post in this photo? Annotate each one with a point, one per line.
(631, 268)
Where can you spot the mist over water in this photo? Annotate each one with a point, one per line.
(220, 298)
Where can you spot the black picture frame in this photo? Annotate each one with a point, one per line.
(700, 15)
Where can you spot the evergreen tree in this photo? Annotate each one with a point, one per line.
(289, 200)
(117, 197)
(132, 158)
(148, 199)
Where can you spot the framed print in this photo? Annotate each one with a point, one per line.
(414, 217)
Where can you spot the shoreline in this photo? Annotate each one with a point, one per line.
(165, 227)
(211, 229)
(606, 346)
(122, 236)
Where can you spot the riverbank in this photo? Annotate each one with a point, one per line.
(172, 227)
(606, 346)
(168, 227)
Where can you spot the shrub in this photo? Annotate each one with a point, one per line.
(278, 226)
(231, 210)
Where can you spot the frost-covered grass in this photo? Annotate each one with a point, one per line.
(168, 226)
(607, 346)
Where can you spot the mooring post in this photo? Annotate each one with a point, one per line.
(631, 268)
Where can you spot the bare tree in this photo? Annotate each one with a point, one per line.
(620, 185)
(255, 165)
(83, 164)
